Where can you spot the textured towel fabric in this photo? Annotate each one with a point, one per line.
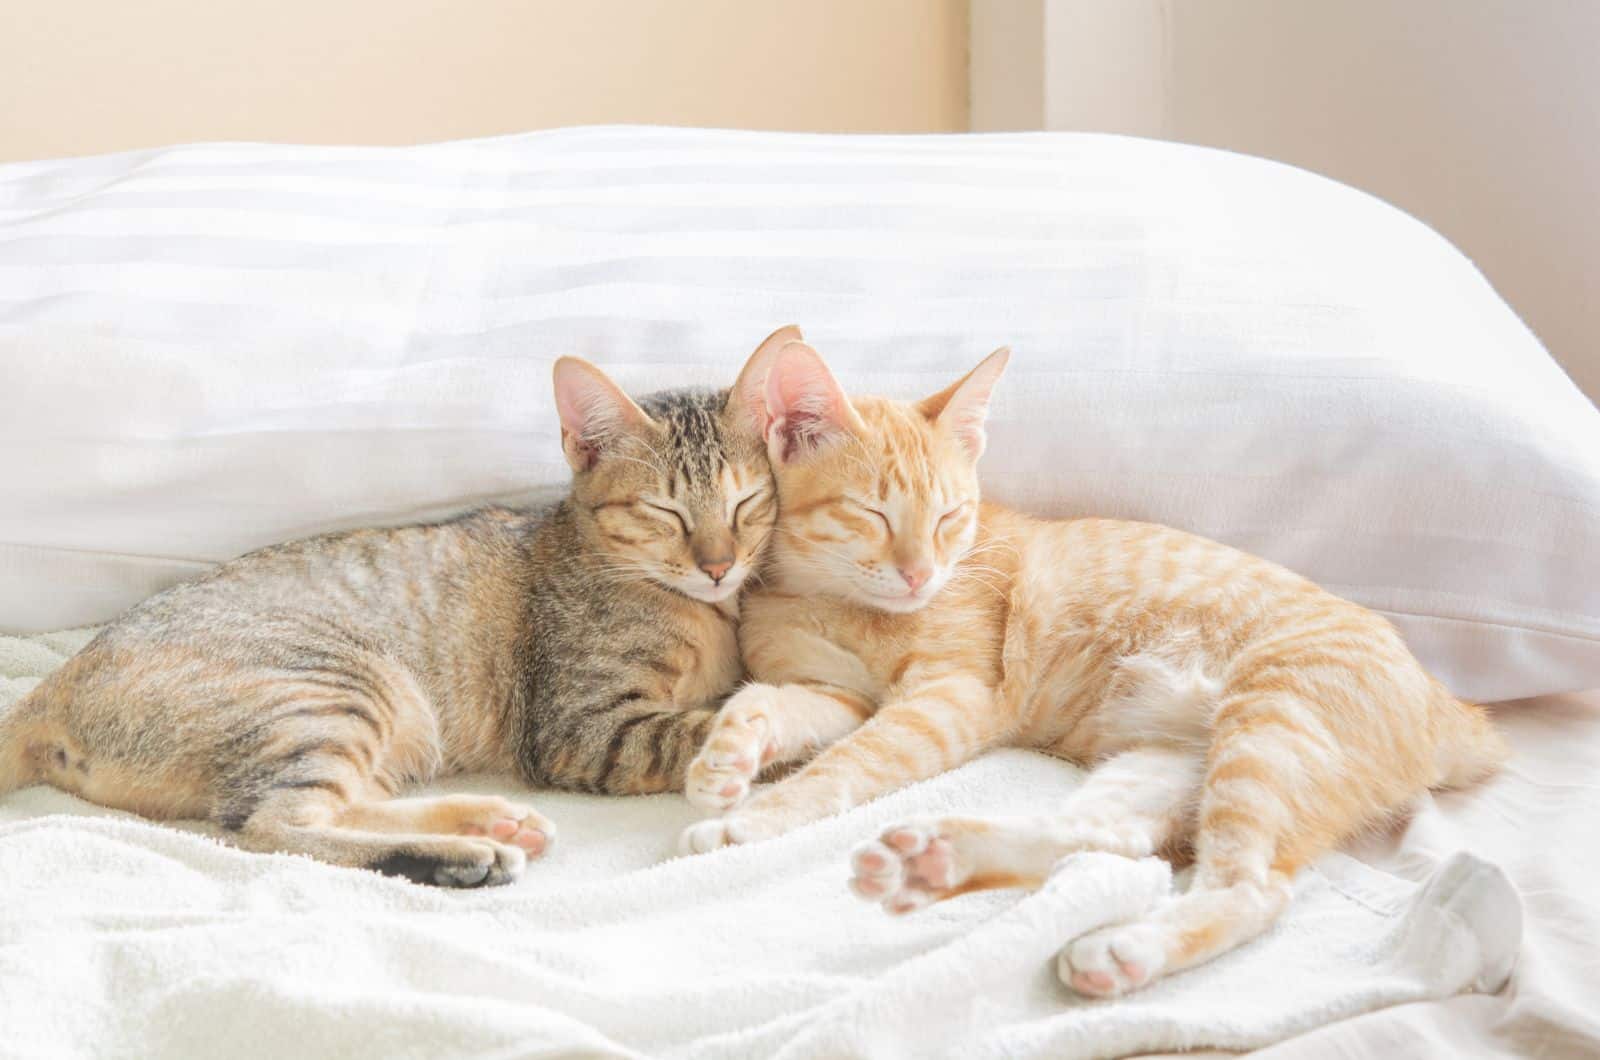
(208, 349)
(120, 938)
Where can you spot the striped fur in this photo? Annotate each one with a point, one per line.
(1231, 711)
(291, 694)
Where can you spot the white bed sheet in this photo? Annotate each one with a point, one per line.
(1538, 821)
(1535, 820)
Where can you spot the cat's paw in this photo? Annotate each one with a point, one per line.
(453, 862)
(910, 865)
(502, 865)
(1112, 961)
(508, 822)
(703, 836)
(720, 776)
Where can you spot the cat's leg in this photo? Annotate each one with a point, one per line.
(305, 824)
(315, 774)
(629, 745)
(762, 725)
(469, 815)
(1276, 795)
(1135, 804)
(942, 724)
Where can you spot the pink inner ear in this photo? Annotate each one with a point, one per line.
(968, 407)
(804, 400)
(568, 409)
(749, 396)
(591, 408)
(588, 407)
(584, 454)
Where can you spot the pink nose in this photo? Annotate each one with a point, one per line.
(717, 571)
(916, 577)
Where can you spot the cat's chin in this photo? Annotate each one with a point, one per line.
(895, 605)
(711, 594)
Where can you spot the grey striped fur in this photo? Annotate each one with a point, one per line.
(291, 694)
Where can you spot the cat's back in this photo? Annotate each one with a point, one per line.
(1100, 590)
(433, 598)
(372, 584)
(1087, 561)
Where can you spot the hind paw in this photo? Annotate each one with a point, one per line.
(455, 863)
(1114, 960)
(909, 865)
(508, 822)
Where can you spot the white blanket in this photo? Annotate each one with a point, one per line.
(123, 938)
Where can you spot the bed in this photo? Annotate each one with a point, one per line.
(211, 348)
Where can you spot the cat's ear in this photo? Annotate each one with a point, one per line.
(962, 407)
(807, 408)
(594, 411)
(747, 401)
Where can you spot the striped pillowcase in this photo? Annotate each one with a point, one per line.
(208, 349)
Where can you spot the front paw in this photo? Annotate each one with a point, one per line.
(720, 776)
(735, 830)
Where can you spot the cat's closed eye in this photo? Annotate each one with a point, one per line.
(671, 511)
(746, 505)
(872, 510)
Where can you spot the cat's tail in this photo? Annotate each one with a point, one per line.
(1466, 744)
(21, 731)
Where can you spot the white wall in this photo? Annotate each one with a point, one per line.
(1481, 117)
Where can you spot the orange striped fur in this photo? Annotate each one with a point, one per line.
(1230, 710)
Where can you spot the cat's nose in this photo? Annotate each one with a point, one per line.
(717, 570)
(916, 577)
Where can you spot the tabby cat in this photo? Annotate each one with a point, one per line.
(292, 693)
(1231, 711)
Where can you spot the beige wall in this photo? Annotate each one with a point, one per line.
(87, 76)
(1482, 117)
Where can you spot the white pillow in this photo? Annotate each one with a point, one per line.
(208, 349)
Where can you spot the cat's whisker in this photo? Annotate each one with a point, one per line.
(652, 468)
(830, 550)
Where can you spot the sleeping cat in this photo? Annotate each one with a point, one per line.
(1230, 709)
(292, 693)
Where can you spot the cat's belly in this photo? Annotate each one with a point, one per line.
(1090, 695)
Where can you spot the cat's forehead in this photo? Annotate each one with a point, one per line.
(906, 448)
(692, 443)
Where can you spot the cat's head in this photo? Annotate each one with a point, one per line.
(878, 498)
(675, 487)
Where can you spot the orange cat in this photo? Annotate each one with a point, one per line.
(1230, 709)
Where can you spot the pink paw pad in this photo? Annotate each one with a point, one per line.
(934, 866)
(907, 902)
(510, 830)
(871, 890)
(1097, 983)
(906, 842)
(504, 828)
